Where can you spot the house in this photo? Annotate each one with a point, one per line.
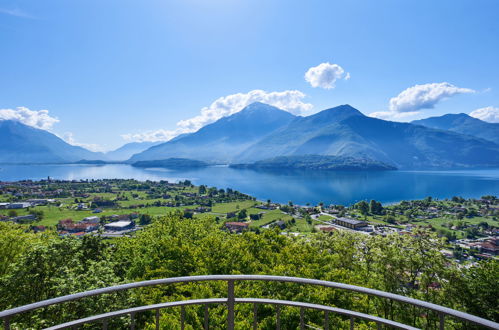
(69, 226)
(82, 206)
(22, 205)
(4, 205)
(92, 219)
(490, 247)
(63, 224)
(203, 209)
(38, 229)
(236, 227)
(281, 224)
(327, 229)
(119, 225)
(350, 223)
(35, 202)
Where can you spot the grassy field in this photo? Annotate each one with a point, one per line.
(232, 206)
(268, 217)
(324, 217)
(302, 226)
(52, 214)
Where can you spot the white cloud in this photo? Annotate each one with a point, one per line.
(411, 101)
(424, 96)
(289, 100)
(391, 115)
(325, 75)
(69, 138)
(489, 114)
(152, 136)
(39, 119)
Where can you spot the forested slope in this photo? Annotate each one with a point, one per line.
(34, 267)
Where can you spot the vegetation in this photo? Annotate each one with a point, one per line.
(171, 163)
(318, 162)
(34, 267)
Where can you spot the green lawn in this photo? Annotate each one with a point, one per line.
(324, 217)
(232, 206)
(268, 217)
(302, 226)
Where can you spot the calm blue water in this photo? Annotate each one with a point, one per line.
(283, 186)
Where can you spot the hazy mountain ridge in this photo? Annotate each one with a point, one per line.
(128, 150)
(341, 131)
(222, 140)
(262, 132)
(20, 143)
(464, 124)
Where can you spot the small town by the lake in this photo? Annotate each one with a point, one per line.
(117, 208)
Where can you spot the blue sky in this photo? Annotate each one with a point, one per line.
(117, 68)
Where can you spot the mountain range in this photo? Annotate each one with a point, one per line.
(261, 132)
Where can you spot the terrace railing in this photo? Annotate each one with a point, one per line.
(231, 300)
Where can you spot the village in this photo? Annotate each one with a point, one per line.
(116, 208)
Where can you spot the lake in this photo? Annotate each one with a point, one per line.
(301, 187)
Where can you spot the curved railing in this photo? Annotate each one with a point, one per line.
(231, 300)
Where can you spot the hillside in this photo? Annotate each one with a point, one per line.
(319, 163)
(222, 140)
(464, 124)
(20, 143)
(171, 163)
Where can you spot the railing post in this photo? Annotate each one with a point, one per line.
(442, 321)
(206, 318)
(132, 321)
(6, 323)
(302, 321)
(182, 317)
(326, 320)
(255, 316)
(278, 317)
(351, 323)
(104, 324)
(157, 319)
(230, 304)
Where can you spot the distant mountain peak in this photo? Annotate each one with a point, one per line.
(258, 106)
(464, 124)
(336, 114)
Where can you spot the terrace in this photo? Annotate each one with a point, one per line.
(443, 313)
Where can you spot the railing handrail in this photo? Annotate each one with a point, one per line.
(209, 301)
(437, 308)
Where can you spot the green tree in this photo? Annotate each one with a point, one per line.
(363, 207)
(242, 215)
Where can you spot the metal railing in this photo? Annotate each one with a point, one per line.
(231, 300)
